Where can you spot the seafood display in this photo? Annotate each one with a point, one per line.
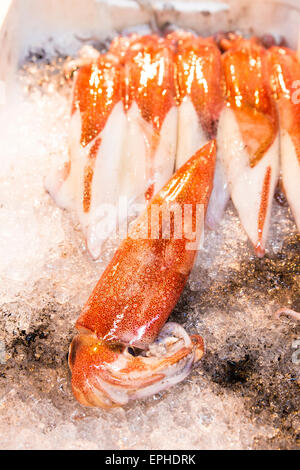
(141, 109)
(150, 226)
(135, 296)
(139, 112)
(123, 133)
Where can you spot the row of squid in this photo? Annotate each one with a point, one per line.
(142, 109)
(157, 121)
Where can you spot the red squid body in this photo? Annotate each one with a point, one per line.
(90, 179)
(201, 100)
(136, 294)
(200, 96)
(284, 69)
(248, 136)
(149, 94)
(199, 91)
(123, 135)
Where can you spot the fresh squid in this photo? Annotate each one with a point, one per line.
(249, 137)
(140, 110)
(149, 100)
(284, 70)
(123, 135)
(89, 181)
(200, 103)
(123, 350)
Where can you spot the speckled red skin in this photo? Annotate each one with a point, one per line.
(150, 74)
(142, 283)
(284, 69)
(149, 81)
(200, 77)
(98, 88)
(249, 95)
(259, 249)
(137, 68)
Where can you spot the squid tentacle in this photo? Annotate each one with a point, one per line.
(135, 296)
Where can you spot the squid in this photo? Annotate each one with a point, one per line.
(141, 109)
(123, 135)
(88, 182)
(200, 88)
(284, 70)
(249, 137)
(149, 100)
(125, 350)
